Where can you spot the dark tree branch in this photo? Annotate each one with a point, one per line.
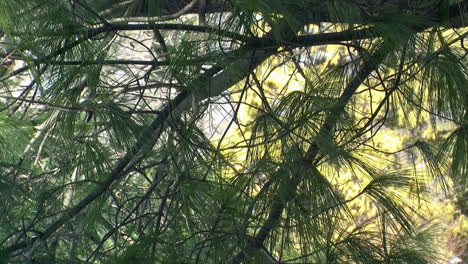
(317, 11)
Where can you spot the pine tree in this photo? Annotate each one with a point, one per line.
(150, 131)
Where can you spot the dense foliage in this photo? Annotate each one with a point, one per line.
(212, 131)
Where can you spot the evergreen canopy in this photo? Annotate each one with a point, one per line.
(150, 131)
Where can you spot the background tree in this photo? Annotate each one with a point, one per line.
(124, 140)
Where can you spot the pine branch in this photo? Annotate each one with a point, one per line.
(308, 160)
(250, 42)
(237, 70)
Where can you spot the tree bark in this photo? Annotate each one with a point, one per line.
(316, 12)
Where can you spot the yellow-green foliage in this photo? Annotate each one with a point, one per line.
(386, 150)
